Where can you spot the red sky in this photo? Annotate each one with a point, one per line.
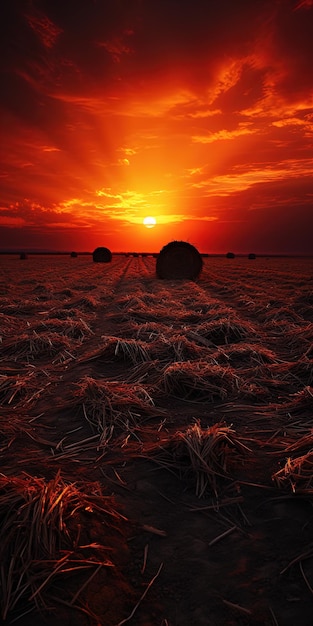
(198, 113)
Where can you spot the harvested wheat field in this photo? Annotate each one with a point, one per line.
(156, 443)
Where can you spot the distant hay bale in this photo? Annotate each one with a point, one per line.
(251, 255)
(179, 260)
(74, 255)
(23, 256)
(230, 255)
(102, 255)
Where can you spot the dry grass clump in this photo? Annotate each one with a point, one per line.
(43, 289)
(13, 425)
(113, 408)
(146, 313)
(115, 348)
(87, 303)
(245, 355)
(74, 329)
(176, 347)
(29, 347)
(217, 312)
(297, 474)
(298, 341)
(199, 381)
(66, 293)
(27, 307)
(150, 331)
(16, 389)
(283, 313)
(130, 301)
(40, 528)
(8, 326)
(225, 330)
(63, 314)
(306, 297)
(204, 455)
(300, 404)
(296, 338)
(302, 371)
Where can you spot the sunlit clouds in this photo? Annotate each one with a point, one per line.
(112, 113)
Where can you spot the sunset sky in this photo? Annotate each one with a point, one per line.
(197, 113)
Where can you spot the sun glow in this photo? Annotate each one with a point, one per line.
(149, 222)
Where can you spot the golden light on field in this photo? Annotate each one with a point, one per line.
(149, 222)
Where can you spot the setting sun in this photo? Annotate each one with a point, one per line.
(149, 222)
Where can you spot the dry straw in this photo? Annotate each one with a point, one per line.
(179, 260)
(115, 348)
(40, 527)
(204, 455)
(86, 303)
(176, 347)
(74, 329)
(245, 355)
(113, 408)
(297, 474)
(15, 390)
(199, 381)
(32, 346)
(225, 330)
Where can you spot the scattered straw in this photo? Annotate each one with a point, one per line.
(202, 453)
(29, 347)
(199, 381)
(226, 330)
(113, 407)
(297, 474)
(38, 535)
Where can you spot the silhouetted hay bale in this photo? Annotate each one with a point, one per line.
(74, 255)
(230, 255)
(251, 255)
(102, 255)
(179, 260)
(23, 256)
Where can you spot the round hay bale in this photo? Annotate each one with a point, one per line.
(74, 255)
(230, 255)
(102, 255)
(179, 260)
(251, 255)
(23, 256)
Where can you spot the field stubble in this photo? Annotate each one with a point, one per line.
(156, 443)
